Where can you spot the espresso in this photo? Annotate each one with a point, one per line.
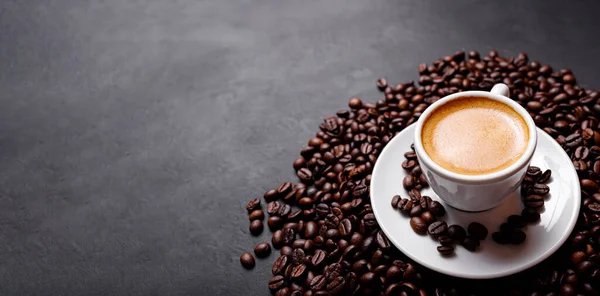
(474, 136)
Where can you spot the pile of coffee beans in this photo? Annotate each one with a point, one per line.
(329, 240)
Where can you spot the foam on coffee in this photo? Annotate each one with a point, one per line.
(474, 136)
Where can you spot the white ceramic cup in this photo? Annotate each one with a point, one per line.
(475, 193)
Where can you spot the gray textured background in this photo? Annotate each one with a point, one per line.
(132, 133)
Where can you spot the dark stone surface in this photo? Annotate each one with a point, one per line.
(132, 133)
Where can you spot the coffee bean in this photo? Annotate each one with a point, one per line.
(445, 250)
(256, 227)
(253, 204)
(446, 240)
(501, 237)
(437, 228)
(247, 260)
(407, 205)
(277, 239)
(517, 237)
(280, 264)
(256, 215)
(336, 285)
(305, 175)
(540, 189)
(594, 207)
(416, 210)
(457, 233)
(395, 201)
(262, 250)
(273, 208)
(437, 209)
(477, 230)
(288, 236)
(284, 210)
(418, 225)
(276, 282)
(516, 221)
(530, 215)
(382, 240)
(470, 243)
(428, 217)
(533, 201)
(408, 182)
(298, 271)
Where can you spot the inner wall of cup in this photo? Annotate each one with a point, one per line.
(527, 154)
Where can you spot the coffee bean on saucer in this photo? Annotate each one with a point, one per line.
(477, 230)
(416, 210)
(428, 217)
(516, 221)
(545, 176)
(256, 227)
(445, 240)
(408, 182)
(395, 201)
(457, 233)
(437, 209)
(470, 243)
(425, 202)
(530, 215)
(247, 260)
(501, 237)
(407, 205)
(253, 204)
(415, 195)
(533, 201)
(437, 228)
(517, 237)
(418, 225)
(445, 250)
(540, 189)
(533, 171)
(262, 250)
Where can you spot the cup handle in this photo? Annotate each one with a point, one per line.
(501, 89)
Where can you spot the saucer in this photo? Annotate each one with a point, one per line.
(491, 260)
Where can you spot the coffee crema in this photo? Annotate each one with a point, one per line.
(474, 136)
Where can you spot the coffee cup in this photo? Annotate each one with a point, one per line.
(476, 148)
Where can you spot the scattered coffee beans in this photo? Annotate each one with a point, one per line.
(335, 167)
(247, 260)
(262, 250)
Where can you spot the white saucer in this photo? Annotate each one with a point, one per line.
(558, 216)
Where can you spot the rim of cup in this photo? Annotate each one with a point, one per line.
(484, 178)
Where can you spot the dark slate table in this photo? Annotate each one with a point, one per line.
(132, 133)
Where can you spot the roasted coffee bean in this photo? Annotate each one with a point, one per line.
(279, 265)
(530, 215)
(406, 205)
(516, 221)
(415, 195)
(501, 237)
(534, 171)
(284, 210)
(345, 227)
(418, 225)
(247, 260)
(271, 195)
(445, 250)
(416, 210)
(382, 240)
(253, 204)
(457, 233)
(437, 228)
(428, 217)
(594, 207)
(408, 182)
(262, 250)
(299, 271)
(256, 227)
(277, 239)
(517, 237)
(318, 258)
(305, 175)
(336, 285)
(533, 201)
(545, 176)
(540, 189)
(424, 202)
(286, 250)
(395, 201)
(477, 230)
(288, 236)
(445, 240)
(276, 282)
(256, 215)
(437, 209)
(470, 243)
(273, 208)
